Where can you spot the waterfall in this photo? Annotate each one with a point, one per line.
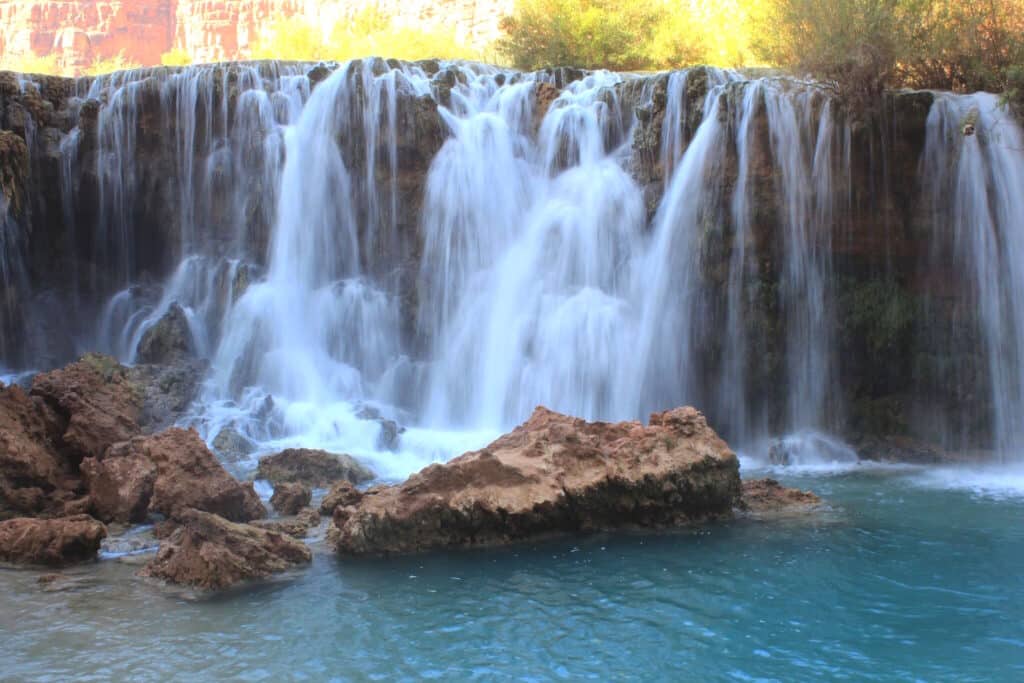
(449, 245)
(975, 184)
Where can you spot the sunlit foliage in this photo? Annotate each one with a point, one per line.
(176, 57)
(368, 33)
(111, 64)
(31, 64)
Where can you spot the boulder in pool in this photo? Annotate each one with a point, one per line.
(313, 468)
(553, 474)
(208, 552)
(52, 542)
(288, 499)
(767, 497)
(188, 475)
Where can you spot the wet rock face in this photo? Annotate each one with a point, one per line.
(554, 473)
(314, 468)
(169, 341)
(52, 542)
(188, 475)
(208, 552)
(288, 499)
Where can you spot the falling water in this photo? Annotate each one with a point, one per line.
(975, 180)
(532, 270)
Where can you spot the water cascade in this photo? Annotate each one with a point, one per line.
(449, 245)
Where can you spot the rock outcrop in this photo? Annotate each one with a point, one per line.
(120, 488)
(342, 494)
(314, 468)
(553, 474)
(32, 471)
(52, 542)
(208, 552)
(169, 341)
(188, 475)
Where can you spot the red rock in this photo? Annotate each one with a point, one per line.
(30, 465)
(51, 542)
(188, 475)
(553, 474)
(288, 499)
(208, 552)
(311, 467)
(343, 494)
(120, 488)
(96, 402)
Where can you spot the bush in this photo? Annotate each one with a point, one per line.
(176, 57)
(369, 33)
(624, 35)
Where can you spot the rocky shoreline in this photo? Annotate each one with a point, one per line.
(74, 458)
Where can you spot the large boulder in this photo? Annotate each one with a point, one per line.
(314, 468)
(188, 475)
(209, 552)
(554, 473)
(168, 341)
(51, 542)
(342, 494)
(96, 402)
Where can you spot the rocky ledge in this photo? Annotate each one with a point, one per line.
(553, 474)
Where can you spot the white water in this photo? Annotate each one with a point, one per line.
(541, 279)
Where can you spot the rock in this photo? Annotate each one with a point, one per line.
(314, 468)
(553, 474)
(288, 499)
(52, 542)
(166, 391)
(189, 476)
(30, 465)
(903, 449)
(296, 527)
(232, 445)
(209, 552)
(767, 496)
(168, 341)
(343, 494)
(95, 401)
(120, 488)
(390, 431)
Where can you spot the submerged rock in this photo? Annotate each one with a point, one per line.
(52, 542)
(169, 341)
(209, 552)
(314, 468)
(768, 496)
(188, 475)
(288, 499)
(554, 473)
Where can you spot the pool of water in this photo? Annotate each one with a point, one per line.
(913, 575)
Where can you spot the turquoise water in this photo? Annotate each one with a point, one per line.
(905, 579)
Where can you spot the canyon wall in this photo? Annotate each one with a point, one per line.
(80, 32)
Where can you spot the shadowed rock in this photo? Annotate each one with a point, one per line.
(209, 552)
(288, 499)
(169, 341)
(554, 473)
(314, 468)
(52, 542)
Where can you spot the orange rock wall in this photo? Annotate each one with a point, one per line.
(82, 31)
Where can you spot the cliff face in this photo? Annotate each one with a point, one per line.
(82, 31)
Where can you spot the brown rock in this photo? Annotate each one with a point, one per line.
(296, 527)
(30, 465)
(343, 494)
(288, 499)
(169, 341)
(96, 402)
(120, 488)
(767, 496)
(51, 542)
(189, 476)
(209, 552)
(553, 474)
(314, 468)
